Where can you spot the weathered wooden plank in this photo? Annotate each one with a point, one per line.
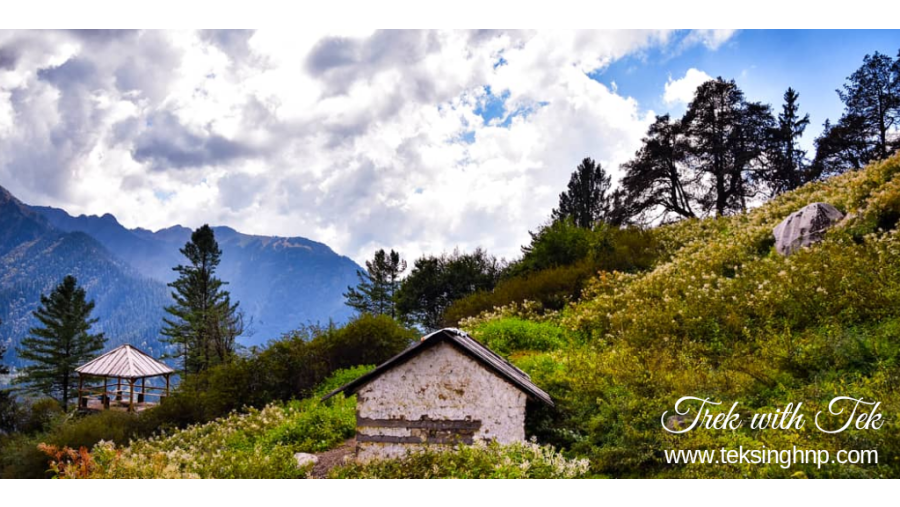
(393, 439)
(430, 424)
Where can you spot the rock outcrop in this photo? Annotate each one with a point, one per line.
(805, 227)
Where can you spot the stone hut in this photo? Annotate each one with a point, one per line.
(446, 389)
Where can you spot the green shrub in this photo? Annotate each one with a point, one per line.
(340, 378)
(38, 415)
(555, 267)
(524, 460)
(317, 427)
(508, 335)
(551, 288)
(608, 248)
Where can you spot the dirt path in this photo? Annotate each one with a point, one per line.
(333, 458)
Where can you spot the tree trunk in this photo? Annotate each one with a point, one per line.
(65, 392)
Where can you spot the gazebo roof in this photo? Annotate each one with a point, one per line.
(124, 361)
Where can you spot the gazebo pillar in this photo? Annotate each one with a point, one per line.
(82, 401)
(131, 395)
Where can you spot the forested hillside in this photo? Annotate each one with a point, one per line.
(35, 257)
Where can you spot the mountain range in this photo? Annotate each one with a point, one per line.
(281, 283)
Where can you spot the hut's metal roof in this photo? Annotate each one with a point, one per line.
(465, 344)
(124, 361)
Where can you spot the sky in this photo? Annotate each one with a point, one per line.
(420, 141)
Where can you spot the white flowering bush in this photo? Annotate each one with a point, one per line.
(481, 460)
(256, 444)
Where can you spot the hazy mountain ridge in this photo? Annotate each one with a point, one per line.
(281, 282)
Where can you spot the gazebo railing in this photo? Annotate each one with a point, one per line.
(122, 391)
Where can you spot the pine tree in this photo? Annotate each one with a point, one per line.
(841, 146)
(872, 93)
(62, 343)
(378, 285)
(788, 161)
(205, 324)
(587, 200)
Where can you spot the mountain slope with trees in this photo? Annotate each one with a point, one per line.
(280, 282)
(36, 257)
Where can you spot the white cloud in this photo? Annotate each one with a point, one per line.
(359, 140)
(681, 91)
(712, 39)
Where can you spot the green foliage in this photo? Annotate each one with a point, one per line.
(61, 344)
(38, 415)
(340, 378)
(606, 248)
(550, 288)
(436, 282)
(256, 444)
(555, 267)
(204, 324)
(317, 427)
(524, 460)
(559, 243)
(509, 335)
(376, 292)
(43, 422)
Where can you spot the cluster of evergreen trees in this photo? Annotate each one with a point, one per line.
(868, 128)
(201, 330)
(727, 152)
(431, 286)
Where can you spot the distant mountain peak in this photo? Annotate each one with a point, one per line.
(108, 217)
(6, 197)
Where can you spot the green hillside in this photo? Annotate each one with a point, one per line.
(722, 315)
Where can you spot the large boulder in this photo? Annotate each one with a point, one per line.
(805, 227)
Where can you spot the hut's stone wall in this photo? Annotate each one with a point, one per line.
(438, 397)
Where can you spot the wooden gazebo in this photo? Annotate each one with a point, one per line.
(121, 369)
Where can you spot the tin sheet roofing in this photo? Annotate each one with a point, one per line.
(124, 361)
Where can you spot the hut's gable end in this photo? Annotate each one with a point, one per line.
(440, 396)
